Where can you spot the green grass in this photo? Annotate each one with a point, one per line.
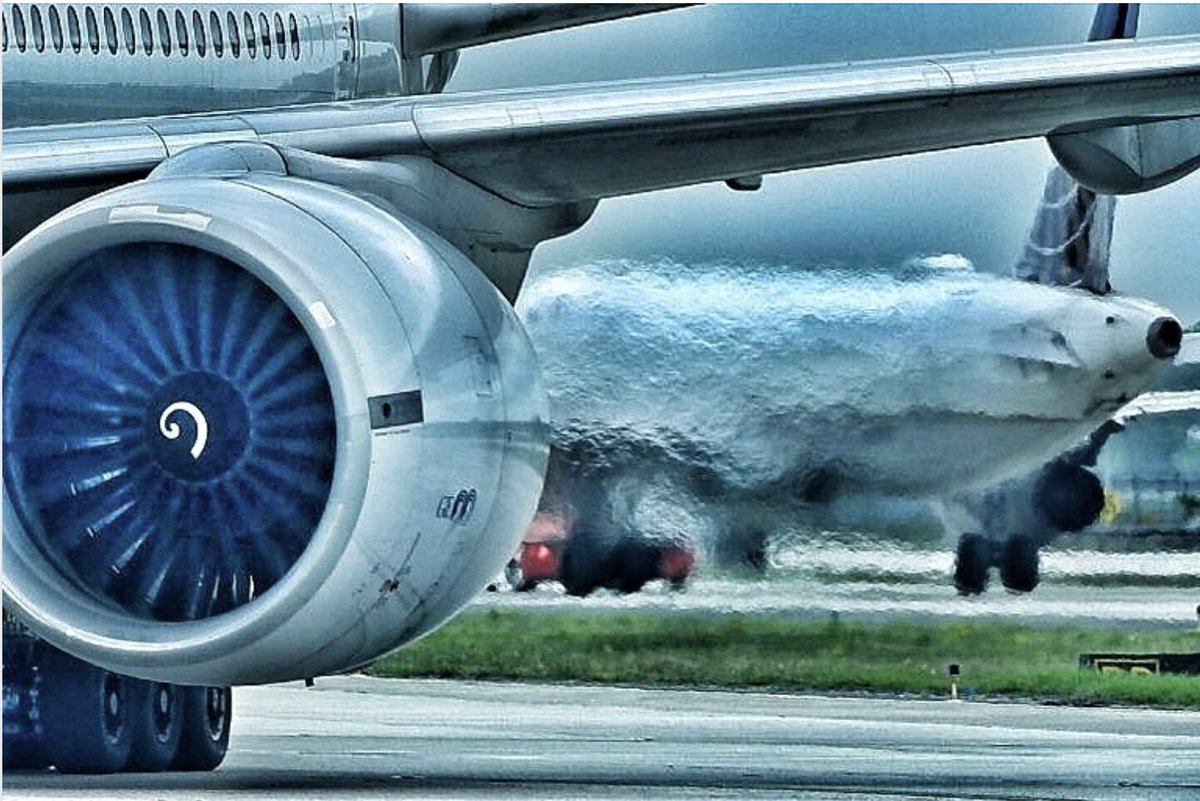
(997, 659)
(1173, 582)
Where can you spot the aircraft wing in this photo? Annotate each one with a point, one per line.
(545, 146)
(1159, 403)
(1189, 351)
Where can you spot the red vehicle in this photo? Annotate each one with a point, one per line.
(540, 553)
(556, 549)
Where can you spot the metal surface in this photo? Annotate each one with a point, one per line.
(435, 27)
(547, 146)
(252, 56)
(204, 57)
(389, 308)
(1133, 158)
(150, 444)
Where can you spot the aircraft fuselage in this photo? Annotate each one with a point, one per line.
(877, 385)
(77, 62)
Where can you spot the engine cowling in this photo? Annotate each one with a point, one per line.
(1067, 496)
(256, 429)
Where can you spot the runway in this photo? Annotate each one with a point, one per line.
(361, 738)
(877, 583)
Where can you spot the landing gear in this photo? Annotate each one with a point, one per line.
(63, 712)
(23, 733)
(1017, 559)
(1019, 564)
(972, 563)
(578, 570)
(633, 563)
(156, 712)
(85, 715)
(205, 738)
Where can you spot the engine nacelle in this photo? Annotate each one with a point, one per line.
(1068, 497)
(1127, 159)
(256, 429)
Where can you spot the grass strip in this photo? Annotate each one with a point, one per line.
(998, 660)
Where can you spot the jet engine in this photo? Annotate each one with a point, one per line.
(256, 428)
(1067, 496)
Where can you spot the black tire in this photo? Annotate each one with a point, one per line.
(21, 754)
(207, 713)
(155, 710)
(1019, 569)
(86, 715)
(578, 569)
(634, 563)
(974, 558)
(578, 578)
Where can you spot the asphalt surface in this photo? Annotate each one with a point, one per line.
(1141, 591)
(360, 738)
(1127, 608)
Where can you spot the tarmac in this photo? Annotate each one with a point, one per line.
(932, 598)
(364, 738)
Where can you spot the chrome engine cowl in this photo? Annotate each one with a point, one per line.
(255, 429)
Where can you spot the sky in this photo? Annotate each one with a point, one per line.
(974, 201)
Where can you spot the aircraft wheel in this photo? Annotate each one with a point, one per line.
(971, 565)
(1019, 565)
(24, 754)
(635, 562)
(155, 709)
(206, 715)
(577, 568)
(87, 720)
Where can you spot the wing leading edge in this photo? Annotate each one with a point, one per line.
(549, 146)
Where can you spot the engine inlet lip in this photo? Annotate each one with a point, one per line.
(1164, 338)
(32, 585)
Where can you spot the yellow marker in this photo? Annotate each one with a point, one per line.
(1113, 507)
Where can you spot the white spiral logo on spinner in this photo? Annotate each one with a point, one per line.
(171, 430)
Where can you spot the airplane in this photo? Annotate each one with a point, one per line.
(623, 469)
(1069, 493)
(268, 411)
(743, 404)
